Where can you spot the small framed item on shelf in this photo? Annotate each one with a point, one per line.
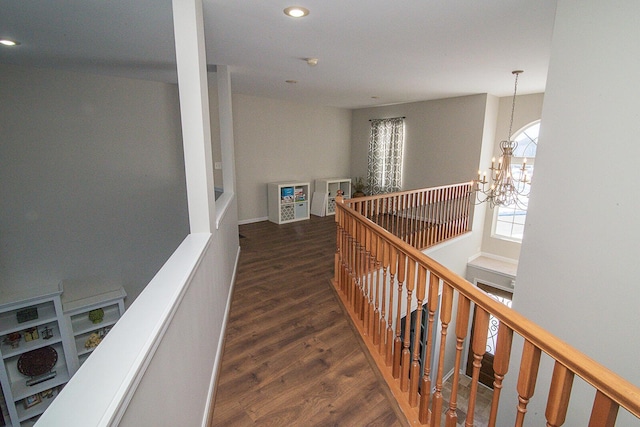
(47, 333)
(47, 394)
(31, 334)
(27, 314)
(32, 400)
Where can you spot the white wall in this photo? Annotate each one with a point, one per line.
(528, 110)
(578, 269)
(92, 176)
(443, 139)
(280, 140)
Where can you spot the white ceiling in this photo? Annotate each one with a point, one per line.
(397, 51)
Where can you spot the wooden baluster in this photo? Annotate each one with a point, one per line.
(500, 367)
(604, 411)
(373, 286)
(383, 314)
(431, 219)
(456, 211)
(352, 260)
(424, 414)
(559, 394)
(349, 258)
(392, 271)
(366, 312)
(406, 353)
(399, 214)
(344, 253)
(362, 259)
(424, 216)
(412, 224)
(467, 208)
(527, 379)
(397, 342)
(445, 318)
(374, 211)
(408, 218)
(357, 296)
(462, 321)
(421, 288)
(337, 256)
(479, 348)
(385, 213)
(439, 216)
(447, 214)
(438, 213)
(396, 211)
(378, 316)
(452, 212)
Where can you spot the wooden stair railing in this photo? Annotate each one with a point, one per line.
(421, 218)
(380, 278)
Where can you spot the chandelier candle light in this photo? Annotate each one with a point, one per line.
(505, 189)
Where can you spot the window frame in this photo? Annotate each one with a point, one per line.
(516, 161)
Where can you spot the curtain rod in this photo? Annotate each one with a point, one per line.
(403, 117)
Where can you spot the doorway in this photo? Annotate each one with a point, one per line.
(486, 370)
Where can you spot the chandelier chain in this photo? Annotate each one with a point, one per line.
(513, 102)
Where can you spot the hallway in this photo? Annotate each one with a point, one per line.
(291, 357)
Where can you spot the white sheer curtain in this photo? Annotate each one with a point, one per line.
(386, 142)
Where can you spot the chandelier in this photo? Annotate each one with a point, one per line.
(505, 186)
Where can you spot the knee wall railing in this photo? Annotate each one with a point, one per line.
(381, 277)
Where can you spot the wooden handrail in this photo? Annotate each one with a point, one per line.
(375, 268)
(421, 218)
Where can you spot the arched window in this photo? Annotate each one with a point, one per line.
(508, 221)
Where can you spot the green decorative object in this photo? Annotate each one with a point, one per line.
(358, 187)
(96, 315)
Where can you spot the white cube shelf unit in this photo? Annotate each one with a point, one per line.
(330, 187)
(288, 201)
(35, 351)
(49, 325)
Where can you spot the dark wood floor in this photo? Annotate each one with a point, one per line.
(291, 357)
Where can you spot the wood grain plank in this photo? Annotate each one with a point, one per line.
(290, 356)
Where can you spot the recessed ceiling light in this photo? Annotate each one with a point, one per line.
(7, 42)
(296, 11)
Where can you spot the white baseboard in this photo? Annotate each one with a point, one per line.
(250, 221)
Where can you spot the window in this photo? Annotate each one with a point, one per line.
(508, 221)
(386, 142)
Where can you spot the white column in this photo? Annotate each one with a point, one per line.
(188, 26)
